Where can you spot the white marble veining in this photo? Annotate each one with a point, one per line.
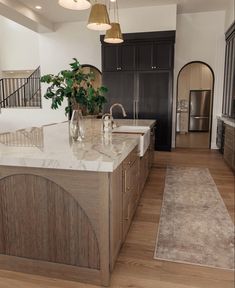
(58, 151)
(226, 120)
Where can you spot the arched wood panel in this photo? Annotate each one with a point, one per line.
(40, 220)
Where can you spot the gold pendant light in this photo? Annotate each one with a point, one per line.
(114, 35)
(99, 18)
(75, 4)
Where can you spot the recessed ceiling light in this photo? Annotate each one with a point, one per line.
(38, 7)
(75, 4)
(113, 0)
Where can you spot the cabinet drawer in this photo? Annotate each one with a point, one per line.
(130, 159)
(130, 202)
(131, 175)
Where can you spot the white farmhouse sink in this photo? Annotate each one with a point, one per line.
(142, 131)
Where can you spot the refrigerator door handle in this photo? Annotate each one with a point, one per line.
(137, 109)
(134, 109)
(200, 117)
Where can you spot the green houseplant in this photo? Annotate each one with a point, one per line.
(77, 87)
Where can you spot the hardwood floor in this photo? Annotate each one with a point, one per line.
(193, 140)
(135, 266)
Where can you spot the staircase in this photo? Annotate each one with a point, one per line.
(21, 92)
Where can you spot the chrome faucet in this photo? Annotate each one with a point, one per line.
(120, 105)
(111, 113)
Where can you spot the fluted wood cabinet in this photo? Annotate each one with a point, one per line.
(68, 224)
(229, 146)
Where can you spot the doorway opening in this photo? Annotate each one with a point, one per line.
(195, 89)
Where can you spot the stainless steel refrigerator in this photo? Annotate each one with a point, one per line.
(199, 110)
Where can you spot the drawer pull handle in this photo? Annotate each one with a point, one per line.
(128, 214)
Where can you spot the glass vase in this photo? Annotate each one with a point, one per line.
(77, 125)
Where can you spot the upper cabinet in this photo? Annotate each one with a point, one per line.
(154, 56)
(110, 58)
(229, 74)
(164, 56)
(155, 52)
(144, 55)
(118, 58)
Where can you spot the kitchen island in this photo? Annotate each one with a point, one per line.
(65, 206)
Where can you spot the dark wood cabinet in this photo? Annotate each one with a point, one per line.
(120, 90)
(127, 55)
(229, 75)
(154, 103)
(110, 58)
(155, 56)
(163, 59)
(144, 55)
(138, 74)
(118, 58)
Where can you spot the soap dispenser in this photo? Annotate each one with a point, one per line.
(107, 120)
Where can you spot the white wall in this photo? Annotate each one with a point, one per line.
(230, 14)
(19, 47)
(56, 52)
(147, 19)
(200, 37)
(1, 33)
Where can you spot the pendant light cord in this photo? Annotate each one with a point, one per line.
(115, 11)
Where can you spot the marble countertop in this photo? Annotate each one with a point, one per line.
(50, 146)
(226, 120)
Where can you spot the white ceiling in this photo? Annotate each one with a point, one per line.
(53, 12)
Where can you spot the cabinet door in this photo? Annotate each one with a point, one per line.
(120, 90)
(110, 58)
(155, 102)
(145, 56)
(163, 56)
(127, 57)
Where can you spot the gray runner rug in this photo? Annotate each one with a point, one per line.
(195, 226)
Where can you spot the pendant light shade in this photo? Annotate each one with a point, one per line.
(114, 35)
(75, 4)
(99, 18)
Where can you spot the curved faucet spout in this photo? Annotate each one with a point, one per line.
(119, 105)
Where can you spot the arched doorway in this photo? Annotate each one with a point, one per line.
(87, 68)
(195, 85)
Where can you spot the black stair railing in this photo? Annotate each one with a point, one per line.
(21, 92)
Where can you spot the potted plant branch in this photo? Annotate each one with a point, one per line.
(78, 88)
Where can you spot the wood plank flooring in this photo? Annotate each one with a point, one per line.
(135, 266)
(193, 140)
